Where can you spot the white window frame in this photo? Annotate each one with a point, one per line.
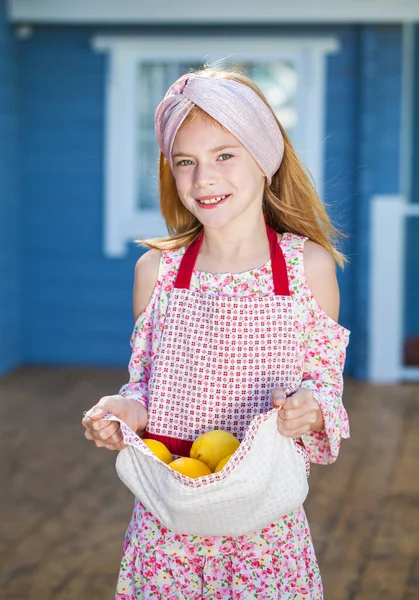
(123, 221)
(387, 300)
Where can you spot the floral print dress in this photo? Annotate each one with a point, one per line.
(279, 560)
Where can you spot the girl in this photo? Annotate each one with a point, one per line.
(252, 249)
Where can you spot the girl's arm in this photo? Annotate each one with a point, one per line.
(145, 279)
(325, 356)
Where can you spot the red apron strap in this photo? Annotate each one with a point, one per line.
(187, 264)
(175, 445)
(279, 267)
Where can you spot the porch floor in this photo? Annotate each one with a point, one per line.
(64, 510)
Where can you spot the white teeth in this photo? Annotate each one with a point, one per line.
(213, 200)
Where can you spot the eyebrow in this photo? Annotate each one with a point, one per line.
(218, 149)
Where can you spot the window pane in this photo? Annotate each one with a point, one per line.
(153, 81)
(277, 79)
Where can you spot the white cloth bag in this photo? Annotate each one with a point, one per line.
(265, 479)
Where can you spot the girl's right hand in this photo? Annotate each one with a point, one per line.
(107, 434)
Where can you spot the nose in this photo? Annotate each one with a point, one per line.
(205, 176)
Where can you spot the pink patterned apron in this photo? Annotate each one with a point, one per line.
(220, 357)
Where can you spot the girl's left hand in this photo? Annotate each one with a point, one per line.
(299, 412)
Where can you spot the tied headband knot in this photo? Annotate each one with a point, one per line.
(232, 104)
(179, 85)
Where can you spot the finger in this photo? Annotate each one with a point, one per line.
(294, 401)
(111, 441)
(105, 426)
(115, 438)
(289, 428)
(86, 422)
(278, 397)
(300, 397)
(99, 443)
(95, 432)
(296, 433)
(107, 404)
(290, 414)
(95, 413)
(119, 446)
(100, 409)
(88, 435)
(98, 413)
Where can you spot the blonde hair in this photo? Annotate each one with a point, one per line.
(290, 202)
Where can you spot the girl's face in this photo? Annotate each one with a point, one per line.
(217, 179)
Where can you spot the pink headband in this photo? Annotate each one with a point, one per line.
(234, 105)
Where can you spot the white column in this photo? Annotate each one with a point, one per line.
(386, 289)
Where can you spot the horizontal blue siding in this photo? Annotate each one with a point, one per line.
(78, 308)
(99, 350)
(341, 164)
(10, 207)
(378, 156)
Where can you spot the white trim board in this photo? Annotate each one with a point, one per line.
(183, 12)
(386, 301)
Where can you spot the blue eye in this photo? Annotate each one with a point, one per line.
(183, 163)
(224, 157)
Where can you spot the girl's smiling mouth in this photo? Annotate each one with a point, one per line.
(210, 201)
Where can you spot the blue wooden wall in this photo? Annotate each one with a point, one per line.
(78, 300)
(341, 164)
(377, 156)
(78, 303)
(10, 207)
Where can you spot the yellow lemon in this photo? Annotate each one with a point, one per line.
(213, 446)
(222, 463)
(190, 467)
(160, 450)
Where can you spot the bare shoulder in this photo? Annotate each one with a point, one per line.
(320, 269)
(145, 279)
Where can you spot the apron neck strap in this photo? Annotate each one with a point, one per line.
(187, 264)
(279, 267)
